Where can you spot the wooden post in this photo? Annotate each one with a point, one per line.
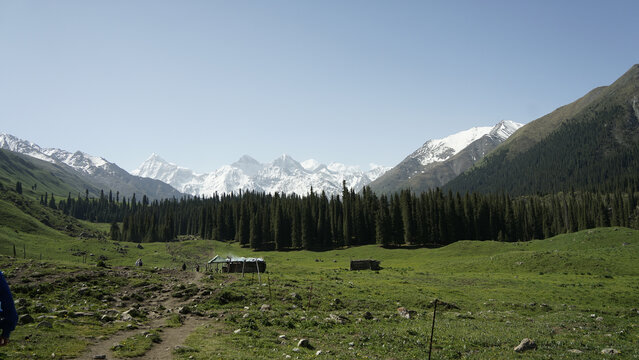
(432, 330)
(259, 278)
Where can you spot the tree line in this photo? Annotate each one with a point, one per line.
(318, 222)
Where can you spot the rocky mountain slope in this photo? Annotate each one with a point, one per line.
(441, 160)
(97, 171)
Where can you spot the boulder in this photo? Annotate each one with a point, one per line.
(525, 344)
(44, 324)
(25, 319)
(405, 313)
(610, 351)
(304, 343)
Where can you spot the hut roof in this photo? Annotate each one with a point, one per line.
(220, 260)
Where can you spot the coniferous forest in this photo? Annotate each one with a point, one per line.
(317, 222)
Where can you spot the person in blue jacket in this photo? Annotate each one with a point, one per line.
(8, 314)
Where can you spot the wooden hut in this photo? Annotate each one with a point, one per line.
(233, 264)
(365, 265)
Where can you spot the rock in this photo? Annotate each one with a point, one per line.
(44, 324)
(336, 318)
(304, 343)
(610, 351)
(246, 315)
(296, 349)
(575, 351)
(97, 357)
(139, 246)
(368, 316)
(40, 309)
(287, 356)
(525, 344)
(25, 319)
(405, 313)
(351, 344)
(318, 353)
(237, 331)
(81, 313)
(282, 337)
(265, 307)
(599, 318)
(295, 296)
(184, 310)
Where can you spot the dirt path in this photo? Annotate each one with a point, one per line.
(171, 337)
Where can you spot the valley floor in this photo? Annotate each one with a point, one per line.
(574, 295)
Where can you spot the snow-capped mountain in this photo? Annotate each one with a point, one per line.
(78, 160)
(441, 160)
(443, 149)
(283, 175)
(100, 172)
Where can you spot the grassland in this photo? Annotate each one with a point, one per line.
(571, 292)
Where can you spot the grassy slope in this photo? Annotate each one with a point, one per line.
(50, 178)
(500, 288)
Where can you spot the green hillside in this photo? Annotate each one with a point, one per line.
(591, 144)
(47, 177)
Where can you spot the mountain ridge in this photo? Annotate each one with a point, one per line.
(95, 170)
(284, 175)
(441, 160)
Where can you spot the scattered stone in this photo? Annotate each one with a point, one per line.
(610, 351)
(237, 331)
(368, 316)
(575, 351)
(525, 344)
(318, 353)
(336, 318)
(81, 313)
(245, 315)
(282, 337)
(304, 343)
(44, 324)
(405, 313)
(265, 307)
(296, 349)
(287, 356)
(599, 318)
(40, 309)
(184, 310)
(25, 319)
(295, 296)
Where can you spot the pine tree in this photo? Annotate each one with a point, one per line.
(115, 232)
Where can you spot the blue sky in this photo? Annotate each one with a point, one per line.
(203, 82)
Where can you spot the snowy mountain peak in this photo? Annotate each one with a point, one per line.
(504, 129)
(78, 160)
(283, 175)
(438, 150)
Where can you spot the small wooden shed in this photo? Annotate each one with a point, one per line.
(365, 265)
(233, 264)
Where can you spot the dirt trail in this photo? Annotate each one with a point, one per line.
(171, 337)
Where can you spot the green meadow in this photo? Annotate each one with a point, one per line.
(574, 295)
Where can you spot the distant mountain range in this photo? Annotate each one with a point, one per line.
(283, 175)
(95, 172)
(591, 144)
(438, 161)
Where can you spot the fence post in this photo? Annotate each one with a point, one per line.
(432, 330)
